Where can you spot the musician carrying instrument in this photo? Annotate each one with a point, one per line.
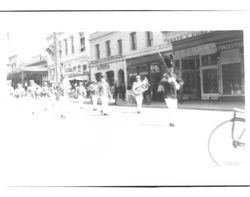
(141, 87)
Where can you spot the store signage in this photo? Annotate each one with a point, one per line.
(199, 50)
(232, 45)
(103, 67)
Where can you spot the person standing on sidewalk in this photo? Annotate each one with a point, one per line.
(105, 95)
(171, 84)
(138, 88)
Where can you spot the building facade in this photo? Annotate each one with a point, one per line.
(212, 65)
(68, 56)
(200, 58)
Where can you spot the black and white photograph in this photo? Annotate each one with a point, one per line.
(95, 104)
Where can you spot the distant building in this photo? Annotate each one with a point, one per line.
(71, 56)
(22, 72)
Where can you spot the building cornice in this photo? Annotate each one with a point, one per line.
(97, 35)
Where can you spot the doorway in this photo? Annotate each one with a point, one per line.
(110, 77)
(191, 77)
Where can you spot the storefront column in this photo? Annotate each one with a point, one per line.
(125, 77)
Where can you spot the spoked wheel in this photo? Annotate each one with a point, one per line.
(226, 143)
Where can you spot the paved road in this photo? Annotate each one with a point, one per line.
(124, 148)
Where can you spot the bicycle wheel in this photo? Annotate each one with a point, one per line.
(220, 143)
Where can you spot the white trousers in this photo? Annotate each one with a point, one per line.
(139, 100)
(63, 105)
(94, 101)
(172, 107)
(81, 100)
(105, 103)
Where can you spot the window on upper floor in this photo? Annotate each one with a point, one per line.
(82, 42)
(66, 46)
(84, 67)
(72, 45)
(108, 50)
(119, 43)
(149, 38)
(133, 41)
(60, 49)
(97, 51)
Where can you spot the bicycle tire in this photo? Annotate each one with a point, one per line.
(217, 129)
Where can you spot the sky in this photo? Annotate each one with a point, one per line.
(27, 44)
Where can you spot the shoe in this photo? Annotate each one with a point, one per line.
(171, 124)
(105, 114)
(94, 109)
(138, 112)
(101, 112)
(63, 117)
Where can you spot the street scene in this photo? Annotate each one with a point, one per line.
(108, 108)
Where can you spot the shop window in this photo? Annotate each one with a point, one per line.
(177, 64)
(208, 60)
(210, 81)
(190, 82)
(154, 68)
(231, 75)
(188, 64)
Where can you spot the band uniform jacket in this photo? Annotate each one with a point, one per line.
(170, 89)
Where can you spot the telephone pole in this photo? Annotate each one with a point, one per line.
(57, 68)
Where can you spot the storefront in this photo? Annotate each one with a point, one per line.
(150, 66)
(24, 74)
(214, 69)
(114, 72)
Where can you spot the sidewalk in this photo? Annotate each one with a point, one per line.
(194, 105)
(197, 105)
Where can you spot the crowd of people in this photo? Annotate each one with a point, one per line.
(99, 92)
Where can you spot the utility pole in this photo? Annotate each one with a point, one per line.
(57, 68)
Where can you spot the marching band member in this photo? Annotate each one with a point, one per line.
(138, 88)
(105, 94)
(64, 89)
(81, 93)
(93, 90)
(171, 84)
(19, 91)
(45, 93)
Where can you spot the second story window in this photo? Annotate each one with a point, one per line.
(72, 44)
(149, 37)
(119, 43)
(133, 41)
(97, 51)
(108, 51)
(66, 47)
(82, 42)
(60, 49)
